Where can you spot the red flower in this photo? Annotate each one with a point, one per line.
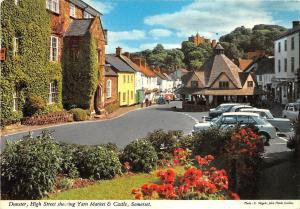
(138, 196)
(209, 157)
(134, 191)
(234, 196)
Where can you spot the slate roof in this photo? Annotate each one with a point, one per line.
(130, 63)
(109, 71)
(289, 32)
(261, 66)
(117, 63)
(78, 27)
(243, 77)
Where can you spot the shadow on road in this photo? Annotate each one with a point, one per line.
(280, 177)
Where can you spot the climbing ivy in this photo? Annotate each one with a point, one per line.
(80, 73)
(30, 72)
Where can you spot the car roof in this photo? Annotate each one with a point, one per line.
(293, 103)
(254, 109)
(240, 113)
(223, 104)
(237, 106)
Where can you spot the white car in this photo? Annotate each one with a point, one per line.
(291, 111)
(230, 119)
(280, 124)
(237, 108)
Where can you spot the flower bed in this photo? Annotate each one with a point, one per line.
(57, 117)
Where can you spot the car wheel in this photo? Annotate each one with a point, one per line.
(265, 137)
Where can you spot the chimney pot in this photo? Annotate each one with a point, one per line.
(296, 23)
(127, 54)
(118, 51)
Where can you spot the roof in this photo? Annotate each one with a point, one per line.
(147, 72)
(130, 63)
(78, 27)
(219, 46)
(117, 63)
(217, 65)
(254, 110)
(264, 65)
(289, 32)
(167, 76)
(81, 4)
(244, 63)
(243, 77)
(109, 71)
(160, 75)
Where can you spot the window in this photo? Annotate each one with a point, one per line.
(124, 96)
(15, 100)
(279, 46)
(285, 45)
(72, 10)
(131, 94)
(293, 43)
(124, 78)
(223, 84)
(229, 120)
(243, 119)
(53, 48)
(108, 89)
(285, 65)
(279, 65)
(250, 84)
(53, 92)
(260, 77)
(194, 83)
(131, 78)
(292, 64)
(87, 15)
(99, 55)
(16, 46)
(53, 5)
(17, 2)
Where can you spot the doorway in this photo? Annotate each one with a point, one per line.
(97, 99)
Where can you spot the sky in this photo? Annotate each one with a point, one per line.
(136, 25)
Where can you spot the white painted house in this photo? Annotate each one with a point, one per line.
(287, 62)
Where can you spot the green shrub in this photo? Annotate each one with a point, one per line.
(65, 183)
(68, 165)
(141, 155)
(210, 141)
(97, 162)
(112, 107)
(34, 105)
(29, 167)
(164, 143)
(79, 114)
(186, 142)
(111, 146)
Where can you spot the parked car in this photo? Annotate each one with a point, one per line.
(237, 108)
(216, 112)
(280, 124)
(229, 120)
(291, 111)
(161, 100)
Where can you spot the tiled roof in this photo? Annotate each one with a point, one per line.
(146, 71)
(244, 63)
(289, 32)
(160, 75)
(118, 63)
(221, 64)
(109, 71)
(78, 27)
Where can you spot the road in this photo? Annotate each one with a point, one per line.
(122, 130)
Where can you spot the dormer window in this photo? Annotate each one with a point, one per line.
(223, 84)
(250, 84)
(53, 5)
(72, 10)
(194, 83)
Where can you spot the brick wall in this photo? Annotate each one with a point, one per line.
(114, 91)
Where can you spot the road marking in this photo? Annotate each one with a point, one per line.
(193, 118)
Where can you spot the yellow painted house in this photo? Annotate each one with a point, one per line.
(126, 79)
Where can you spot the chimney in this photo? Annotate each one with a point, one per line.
(127, 54)
(213, 43)
(137, 61)
(296, 23)
(118, 51)
(143, 62)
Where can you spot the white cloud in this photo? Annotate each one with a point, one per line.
(157, 33)
(104, 7)
(166, 45)
(126, 35)
(121, 38)
(212, 17)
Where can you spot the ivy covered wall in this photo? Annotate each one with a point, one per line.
(30, 72)
(80, 74)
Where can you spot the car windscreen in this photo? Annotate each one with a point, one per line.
(260, 120)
